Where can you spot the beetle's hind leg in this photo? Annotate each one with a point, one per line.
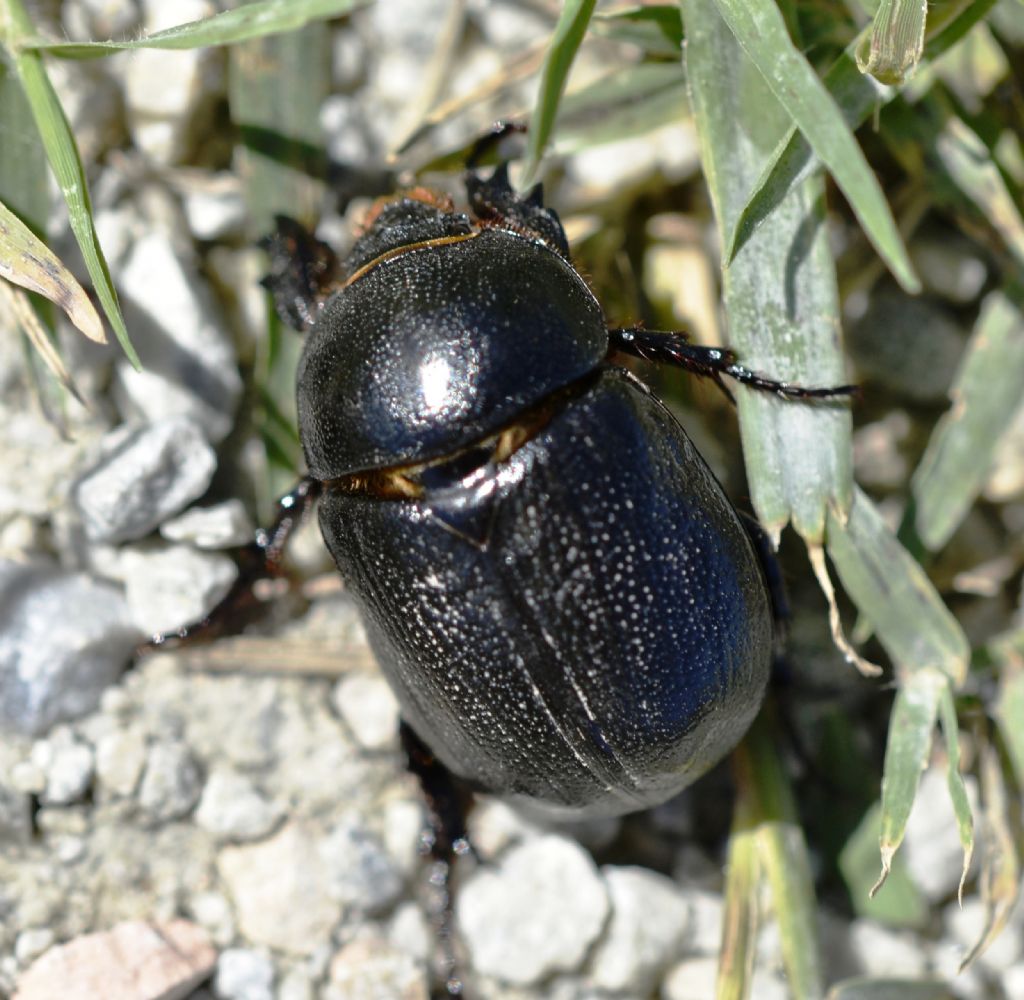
(443, 840)
(673, 348)
(303, 272)
(257, 561)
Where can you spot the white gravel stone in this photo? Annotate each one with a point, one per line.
(244, 974)
(212, 912)
(371, 969)
(967, 926)
(189, 364)
(231, 807)
(410, 932)
(171, 783)
(63, 638)
(214, 204)
(368, 707)
(149, 475)
(691, 979)
(120, 758)
(172, 586)
(356, 868)
(705, 937)
(931, 848)
(69, 766)
(164, 91)
(32, 943)
(281, 898)
(296, 984)
(221, 526)
(536, 913)
(884, 951)
(650, 918)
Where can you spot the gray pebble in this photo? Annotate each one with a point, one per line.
(244, 974)
(232, 808)
(358, 872)
(31, 943)
(884, 951)
(368, 706)
(221, 526)
(190, 367)
(650, 918)
(63, 638)
(536, 913)
(150, 475)
(171, 783)
(173, 586)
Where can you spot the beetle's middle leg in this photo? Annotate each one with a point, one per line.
(673, 348)
(444, 840)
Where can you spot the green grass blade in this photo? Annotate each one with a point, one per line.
(623, 104)
(890, 988)
(902, 904)
(955, 782)
(782, 854)
(565, 41)
(909, 746)
(657, 29)
(760, 29)
(985, 396)
(780, 291)
(740, 916)
(893, 593)
(856, 95)
(62, 153)
(253, 20)
(24, 180)
(28, 262)
(897, 40)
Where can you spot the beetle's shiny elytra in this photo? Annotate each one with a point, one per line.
(565, 602)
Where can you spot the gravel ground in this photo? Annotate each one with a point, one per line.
(236, 822)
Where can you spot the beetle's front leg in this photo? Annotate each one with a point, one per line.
(303, 272)
(673, 348)
(259, 560)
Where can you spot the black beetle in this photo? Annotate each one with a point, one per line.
(568, 607)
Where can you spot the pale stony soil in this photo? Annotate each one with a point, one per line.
(237, 823)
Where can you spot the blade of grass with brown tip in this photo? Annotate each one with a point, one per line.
(62, 153)
(28, 262)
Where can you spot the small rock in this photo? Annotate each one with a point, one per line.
(171, 783)
(244, 974)
(232, 808)
(189, 363)
(537, 913)
(63, 638)
(69, 766)
(296, 984)
(368, 705)
(371, 969)
(168, 588)
(931, 847)
(691, 979)
(281, 897)
(949, 266)
(705, 936)
(15, 815)
(967, 926)
(168, 94)
(410, 932)
(132, 960)
(884, 951)
(222, 526)
(151, 474)
(213, 912)
(32, 943)
(649, 921)
(357, 870)
(214, 204)
(120, 757)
